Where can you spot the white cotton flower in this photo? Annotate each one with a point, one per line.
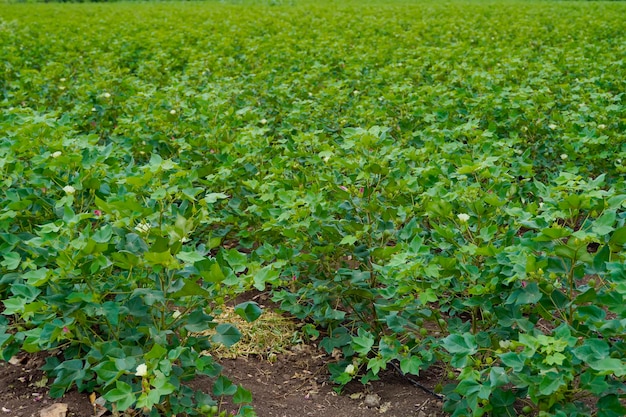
(56, 154)
(107, 95)
(564, 156)
(552, 126)
(62, 80)
(61, 87)
(143, 227)
(172, 112)
(176, 314)
(463, 217)
(263, 121)
(602, 126)
(93, 109)
(350, 369)
(69, 189)
(142, 370)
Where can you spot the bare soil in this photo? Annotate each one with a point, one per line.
(295, 384)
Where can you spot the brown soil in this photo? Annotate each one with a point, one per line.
(294, 385)
(297, 384)
(23, 391)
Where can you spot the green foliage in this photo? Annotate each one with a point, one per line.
(426, 183)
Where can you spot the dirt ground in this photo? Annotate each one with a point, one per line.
(297, 385)
(294, 385)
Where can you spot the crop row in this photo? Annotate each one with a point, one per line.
(423, 183)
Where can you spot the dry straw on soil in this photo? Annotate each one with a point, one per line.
(269, 335)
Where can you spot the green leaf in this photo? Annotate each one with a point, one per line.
(124, 259)
(190, 288)
(604, 224)
(555, 232)
(468, 387)
(362, 344)
(191, 257)
(11, 260)
(210, 270)
(213, 197)
(162, 385)
(122, 395)
(550, 383)
(338, 338)
(227, 334)
(242, 396)
(69, 372)
(249, 311)
(37, 277)
(198, 321)
(598, 265)
(25, 291)
(464, 344)
(348, 240)
(103, 235)
(498, 377)
(223, 386)
(264, 276)
(609, 366)
(111, 310)
(592, 350)
(618, 238)
(156, 352)
(238, 261)
(596, 384)
(14, 305)
(428, 296)
(610, 406)
(107, 372)
(411, 365)
(376, 364)
(513, 360)
(161, 258)
(530, 294)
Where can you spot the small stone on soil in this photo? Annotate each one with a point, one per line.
(372, 400)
